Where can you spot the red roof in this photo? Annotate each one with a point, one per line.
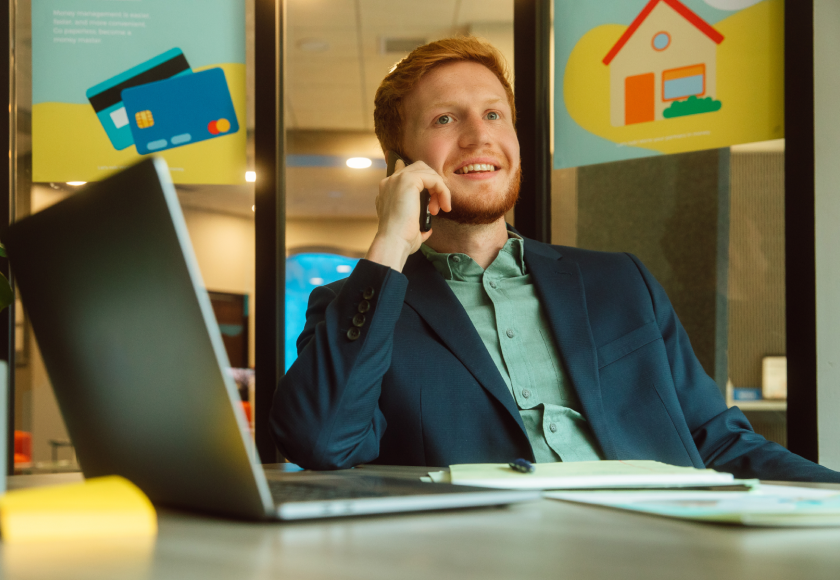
(681, 8)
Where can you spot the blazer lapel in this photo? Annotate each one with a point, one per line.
(430, 295)
(560, 288)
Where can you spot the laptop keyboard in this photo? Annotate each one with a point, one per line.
(288, 491)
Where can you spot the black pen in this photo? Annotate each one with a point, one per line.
(522, 466)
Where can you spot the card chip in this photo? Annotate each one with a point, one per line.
(144, 119)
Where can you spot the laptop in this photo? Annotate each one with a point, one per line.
(138, 366)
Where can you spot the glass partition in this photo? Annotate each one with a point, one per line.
(337, 53)
(99, 85)
(668, 143)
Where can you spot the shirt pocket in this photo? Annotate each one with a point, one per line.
(627, 344)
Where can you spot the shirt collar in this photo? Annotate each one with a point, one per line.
(510, 262)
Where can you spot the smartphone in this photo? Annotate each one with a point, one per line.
(391, 158)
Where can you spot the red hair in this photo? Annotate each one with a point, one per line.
(387, 112)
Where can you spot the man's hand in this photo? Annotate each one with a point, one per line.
(398, 209)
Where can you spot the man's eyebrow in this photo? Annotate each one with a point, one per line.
(447, 104)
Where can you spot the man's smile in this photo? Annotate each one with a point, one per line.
(478, 168)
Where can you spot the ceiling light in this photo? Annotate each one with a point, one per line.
(253, 208)
(359, 162)
(76, 183)
(343, 269)
(316, 281)
(313, 44)
(251, 176)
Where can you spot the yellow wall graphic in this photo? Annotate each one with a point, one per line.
(670, 82)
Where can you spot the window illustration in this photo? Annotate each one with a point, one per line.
(683, 82)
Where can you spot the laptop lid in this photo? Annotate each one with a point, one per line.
(132, 347)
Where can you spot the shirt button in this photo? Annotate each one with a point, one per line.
(354, 333)
(526, 393)
(553, 428)
(510, 333)
(456, 258)
(359, 320)
(368, 293)
(364, 306)
(492, 284)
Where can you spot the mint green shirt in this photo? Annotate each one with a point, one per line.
(503, 306)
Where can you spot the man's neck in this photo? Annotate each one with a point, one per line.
(481, 243)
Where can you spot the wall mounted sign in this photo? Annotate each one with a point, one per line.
(115, 81)
(636, 78)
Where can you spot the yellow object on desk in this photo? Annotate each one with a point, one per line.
(100, 507)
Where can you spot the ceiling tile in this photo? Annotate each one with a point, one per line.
(331, 192)
(428, 13)
(320, 12)
(485, 11)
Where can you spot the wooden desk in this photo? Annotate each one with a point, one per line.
(542, 540)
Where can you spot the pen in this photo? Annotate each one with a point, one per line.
(522, 466)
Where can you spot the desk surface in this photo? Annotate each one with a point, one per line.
(539, 540)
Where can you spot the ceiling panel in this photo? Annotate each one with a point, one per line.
(428, 13)
(342, 40)
(336, 192)
(336, 106)
(473, 11)
(320, 12)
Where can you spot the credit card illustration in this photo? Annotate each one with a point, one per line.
(180, 110)
(106, 97)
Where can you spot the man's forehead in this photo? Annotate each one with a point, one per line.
(453, 84)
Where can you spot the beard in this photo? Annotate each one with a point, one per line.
(481, 209)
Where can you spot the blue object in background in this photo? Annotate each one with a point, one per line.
(305, 272)
(180, 110)
(746, 394)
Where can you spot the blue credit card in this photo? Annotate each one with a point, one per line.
(106, 97)
(179, 111)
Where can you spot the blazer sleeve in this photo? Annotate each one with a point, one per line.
(723, 436)
(325, 413)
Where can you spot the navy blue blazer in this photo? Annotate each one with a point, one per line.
(418, 387)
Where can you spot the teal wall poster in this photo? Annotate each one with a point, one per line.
(116, 80)
(637, 78)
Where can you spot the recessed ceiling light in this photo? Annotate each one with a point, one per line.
(343, 269)
(359, 162)
(251, 176)
(316, 281)
(76, 183)
(253, 208)
(313, 44)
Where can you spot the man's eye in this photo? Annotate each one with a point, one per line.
(493, 116)
(444, 119)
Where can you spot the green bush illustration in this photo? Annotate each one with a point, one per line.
(691, 106)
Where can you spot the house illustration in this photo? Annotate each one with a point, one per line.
(663, 66)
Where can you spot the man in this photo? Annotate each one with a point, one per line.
(470, 344)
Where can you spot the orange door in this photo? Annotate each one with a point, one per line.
(639, 103)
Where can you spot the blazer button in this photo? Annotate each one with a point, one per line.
(354, 333)
(359, 320)
(364, 306)
(368, 293)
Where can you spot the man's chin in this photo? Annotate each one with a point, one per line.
(472, 212)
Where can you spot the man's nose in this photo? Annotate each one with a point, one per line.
(475, 131)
